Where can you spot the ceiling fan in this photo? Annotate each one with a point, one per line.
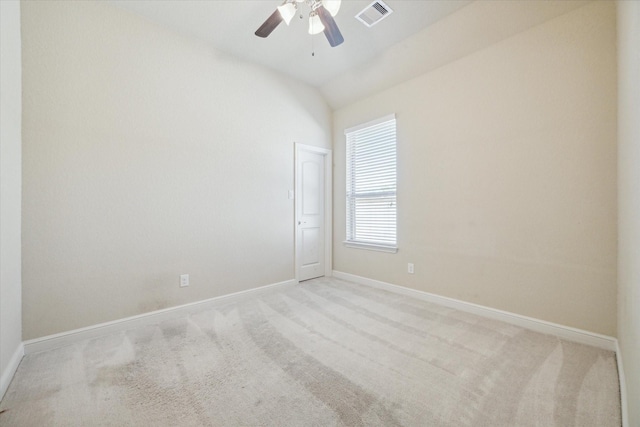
(320, 19)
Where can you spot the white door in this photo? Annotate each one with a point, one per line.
(311, 254)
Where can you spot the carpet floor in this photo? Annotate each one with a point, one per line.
(323, 353)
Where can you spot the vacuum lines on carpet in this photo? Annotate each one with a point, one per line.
(324, 353)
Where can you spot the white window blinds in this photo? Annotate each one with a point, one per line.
(371, 184)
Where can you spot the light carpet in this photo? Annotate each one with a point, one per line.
(323, 353)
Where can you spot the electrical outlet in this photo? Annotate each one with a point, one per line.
(410, 268)
(184, 280)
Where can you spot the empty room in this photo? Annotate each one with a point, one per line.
(320, 213)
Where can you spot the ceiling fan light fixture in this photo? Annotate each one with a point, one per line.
(287, 11)
(315, 24)
(332, 6)
(320, 19)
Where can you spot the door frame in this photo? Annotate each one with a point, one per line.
(328, 206)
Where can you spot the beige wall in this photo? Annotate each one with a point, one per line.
(148, 155)
(507, 175)
(10, 191)
(472, 28)
(629, 199)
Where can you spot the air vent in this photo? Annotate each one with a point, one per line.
(374, 13)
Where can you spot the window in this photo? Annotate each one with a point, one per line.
(371, 185)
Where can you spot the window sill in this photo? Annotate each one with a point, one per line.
(371, 247)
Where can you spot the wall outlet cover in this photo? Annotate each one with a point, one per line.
(184, 280)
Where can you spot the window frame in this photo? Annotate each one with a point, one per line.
(350, 206)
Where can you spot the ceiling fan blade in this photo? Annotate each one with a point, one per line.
(331, 30)
(269, 25)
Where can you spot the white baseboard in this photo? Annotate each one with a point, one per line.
(70, 337)
(542, 326)
(9, 372)
(623, 388)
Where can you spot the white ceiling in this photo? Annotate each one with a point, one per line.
(230, 25)
(420, 35)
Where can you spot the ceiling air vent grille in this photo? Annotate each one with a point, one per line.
(374, 13)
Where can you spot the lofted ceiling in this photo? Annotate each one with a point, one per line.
(230, 25)
(408, 42)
